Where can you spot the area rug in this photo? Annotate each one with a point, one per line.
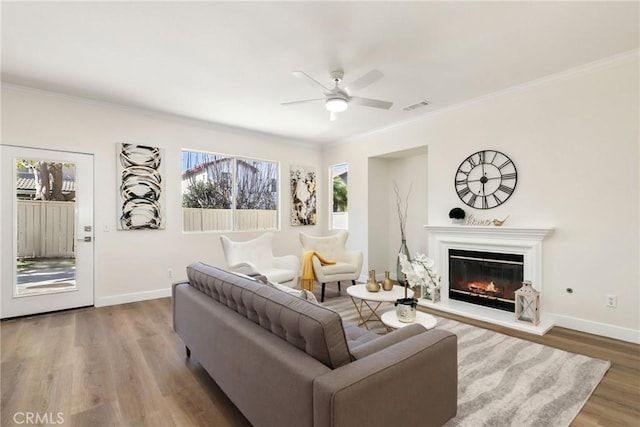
(507, 381)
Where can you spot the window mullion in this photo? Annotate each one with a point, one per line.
(234, 192)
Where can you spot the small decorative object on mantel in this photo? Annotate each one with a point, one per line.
(527, 304)
(421, 274)
(402, 217)
(372, 285)
(473, 221)
(387, 283)
(498, 222)
(457, 215)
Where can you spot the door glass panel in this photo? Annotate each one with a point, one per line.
(45, 225)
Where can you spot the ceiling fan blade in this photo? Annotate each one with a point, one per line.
(375, 103)
(307, 78)
(333, 116)
(364, 81)
(304, 101)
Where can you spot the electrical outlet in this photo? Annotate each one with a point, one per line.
(612, 301)
(170, 273)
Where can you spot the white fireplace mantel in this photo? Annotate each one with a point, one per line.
(491, 232)
(525, 241)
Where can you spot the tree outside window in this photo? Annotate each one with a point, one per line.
(223, 193)
(339, 217)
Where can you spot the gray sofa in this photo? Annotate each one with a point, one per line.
(286, 362)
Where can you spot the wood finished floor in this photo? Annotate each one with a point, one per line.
(124, 366)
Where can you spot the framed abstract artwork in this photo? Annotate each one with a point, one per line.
(303, 195)
(140, 195)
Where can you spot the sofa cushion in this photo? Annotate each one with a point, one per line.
(357, 336)
(338, 268)
(311, 328)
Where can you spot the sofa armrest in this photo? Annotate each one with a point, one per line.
(399, 335)
(174, 285)
(413, 382)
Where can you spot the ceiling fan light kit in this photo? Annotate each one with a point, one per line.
(337, 100)
(336, 105)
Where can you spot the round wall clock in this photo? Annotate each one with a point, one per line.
(486, 179)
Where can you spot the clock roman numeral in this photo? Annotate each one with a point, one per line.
(497, 199)
(461, 182)
(505, 189)
(472, 200)
(495, 154)
(464, 192)
(485, 205)
(509, 176)
(481, 156)
(505, 164)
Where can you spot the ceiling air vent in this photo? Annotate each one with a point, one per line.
(417, 105)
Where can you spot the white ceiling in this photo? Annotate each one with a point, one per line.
(231, 62)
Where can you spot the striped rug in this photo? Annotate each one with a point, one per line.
(505, 381)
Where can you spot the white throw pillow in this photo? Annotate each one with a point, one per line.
(300, 293)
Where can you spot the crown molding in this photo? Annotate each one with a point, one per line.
(189, 121)
(610, 61)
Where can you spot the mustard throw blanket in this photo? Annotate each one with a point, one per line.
(308, 278)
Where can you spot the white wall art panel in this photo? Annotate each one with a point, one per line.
(303, 195)
(140, 196)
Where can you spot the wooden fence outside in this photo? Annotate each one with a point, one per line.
(195, 219)
(45, 229)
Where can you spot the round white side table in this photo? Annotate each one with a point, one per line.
(390, 319)
(372, 301)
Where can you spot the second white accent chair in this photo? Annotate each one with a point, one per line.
(256, 256)
(348, 263)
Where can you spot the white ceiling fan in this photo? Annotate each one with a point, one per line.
(338, 99)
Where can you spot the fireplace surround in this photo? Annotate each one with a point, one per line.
(516, 243)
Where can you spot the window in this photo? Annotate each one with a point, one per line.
(224, 193)
(339, 214)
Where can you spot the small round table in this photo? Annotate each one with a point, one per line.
(390, 319)
(360, 292)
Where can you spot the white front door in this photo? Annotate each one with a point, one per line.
(47, 230)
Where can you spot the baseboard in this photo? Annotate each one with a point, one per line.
(133, 297)
(597, 328)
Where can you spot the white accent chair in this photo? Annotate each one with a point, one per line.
(348, 263)
(256, 256)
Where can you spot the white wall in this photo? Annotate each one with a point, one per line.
(378, 218)
(408, 169)
(574, 139)
(134, 264)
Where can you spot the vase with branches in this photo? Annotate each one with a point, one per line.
(402, 206)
